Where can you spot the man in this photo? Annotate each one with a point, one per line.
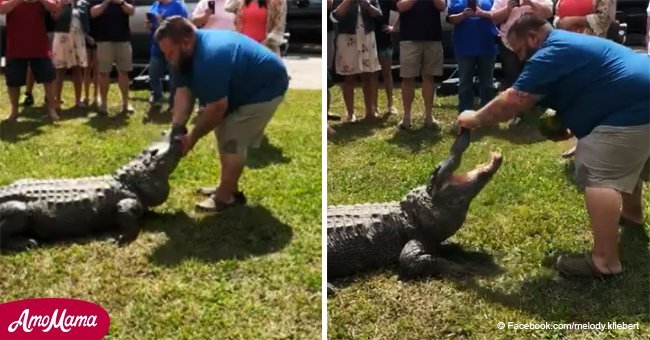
(240, 82)
(420, 53)
(28, 48)
(160, 10)
(601, 92)
(111, 30)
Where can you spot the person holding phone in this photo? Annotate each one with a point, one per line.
(113, 37)
(212, 14)
(261, 20)
(158, 66)
(504, 13)
(474, 40)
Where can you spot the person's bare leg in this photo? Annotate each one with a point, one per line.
(348, 96)
(603, 206)
(123, 82)
(429, 96)
(50, 93)
(104, 82)
(86, 81)
(232, 166)
(408, 93)
(387, 74)
(14, 96)
(369, 92)
(76, 81)
(58, 86)
(633, 206)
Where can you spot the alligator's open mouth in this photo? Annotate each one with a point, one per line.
(472, 175)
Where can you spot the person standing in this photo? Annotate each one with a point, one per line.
(262, 20)
(474, 39)
(113, 36)
(383, 32)
(28, 48)
(158, 66)
(421, 54)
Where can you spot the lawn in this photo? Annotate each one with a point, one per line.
(253, 272)
(530, 213)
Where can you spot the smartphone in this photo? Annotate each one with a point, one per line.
(472, 4)
(151, 17)
(211, 5)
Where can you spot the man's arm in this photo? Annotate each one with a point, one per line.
(342, 9)
(208, 120)
(127, 8)
(183, 106)
(501, 10)
(8, 5)
(99, 9)
(505, 106)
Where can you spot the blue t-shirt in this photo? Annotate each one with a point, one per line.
(227, 64)
(589, 81)
(474, 36)
(175, 7)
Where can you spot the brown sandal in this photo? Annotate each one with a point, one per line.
(213, 205)
(582, 267)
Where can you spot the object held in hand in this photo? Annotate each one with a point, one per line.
(178, 130)
(472, 4)
(211, 5)
(551, 127)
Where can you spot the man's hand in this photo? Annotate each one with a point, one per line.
(387, 29)
(208, 12)
(468, 119)
(187, 144)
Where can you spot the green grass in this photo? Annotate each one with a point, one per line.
(252, 272)
(529, 214)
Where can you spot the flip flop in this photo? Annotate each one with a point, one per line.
(210, 191)
(582, 267)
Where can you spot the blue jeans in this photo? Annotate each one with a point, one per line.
(468, 67)
(158, 66)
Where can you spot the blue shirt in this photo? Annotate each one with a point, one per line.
(227, 64)
(175, 7)
(589, 81)
(474, 36)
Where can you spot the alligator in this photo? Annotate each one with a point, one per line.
(34, 211)
(409, 233)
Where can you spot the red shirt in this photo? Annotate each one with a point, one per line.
(26, 34)
(253, 21)
(574, 8)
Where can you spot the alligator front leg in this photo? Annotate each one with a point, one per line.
(129, 212)
(14, 218)
(416, 262)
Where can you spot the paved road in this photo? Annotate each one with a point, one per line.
(305, 71)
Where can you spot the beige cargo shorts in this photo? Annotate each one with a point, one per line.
(244, 127)
(614, 157)
(420, 58)
(118, 53)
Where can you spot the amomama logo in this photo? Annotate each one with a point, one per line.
(53, 318)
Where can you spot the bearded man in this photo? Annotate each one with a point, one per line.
(240, 82)
(601, 93)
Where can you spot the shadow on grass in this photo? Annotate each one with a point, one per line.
(103, 123)
(265, 155)
(23, 129)
(157, 116)
(240, 233)
(553, 298)
(476, 263)
(346, 132)
(416, 139)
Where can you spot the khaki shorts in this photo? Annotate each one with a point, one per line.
(244, 127)
(425, 57)
(614, 157)
(118, 53)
